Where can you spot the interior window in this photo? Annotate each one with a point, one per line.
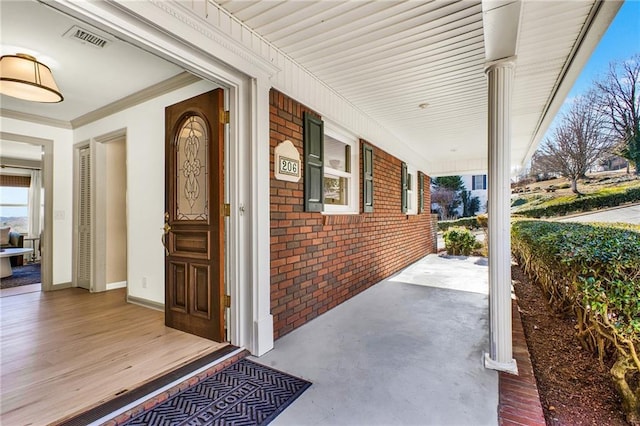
(14, 208)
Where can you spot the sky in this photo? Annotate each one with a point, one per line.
(620, 42)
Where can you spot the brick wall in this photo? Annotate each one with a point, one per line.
(319, 261)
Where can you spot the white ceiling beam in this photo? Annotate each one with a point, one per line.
(501, 19)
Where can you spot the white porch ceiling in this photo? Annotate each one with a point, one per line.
(389, 57)
(385, 57)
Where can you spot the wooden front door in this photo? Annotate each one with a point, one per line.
(194, 218)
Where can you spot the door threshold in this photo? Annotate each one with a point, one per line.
(136, 397)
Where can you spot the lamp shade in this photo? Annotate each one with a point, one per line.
(23, 77)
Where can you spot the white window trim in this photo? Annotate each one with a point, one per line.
(346, 137)
(412, 194)
(482, 180)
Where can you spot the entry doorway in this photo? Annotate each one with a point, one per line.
(100, 213)
(40, 241)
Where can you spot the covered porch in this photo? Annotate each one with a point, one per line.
(405, 351)
(453, 87)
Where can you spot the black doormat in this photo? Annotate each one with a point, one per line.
(244, 393)
(22, 275)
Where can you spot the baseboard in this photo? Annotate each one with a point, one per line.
(61, 286)
(113, 286)
(146, 303)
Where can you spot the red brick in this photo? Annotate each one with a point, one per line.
(319, 261)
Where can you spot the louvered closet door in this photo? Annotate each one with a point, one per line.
(83, 264)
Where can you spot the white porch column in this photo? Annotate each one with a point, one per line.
(500, 82)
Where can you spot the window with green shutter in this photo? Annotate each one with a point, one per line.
(404, 186)
(367, 178)
(313, 163)
(420, 192)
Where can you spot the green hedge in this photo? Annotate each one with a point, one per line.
(465, 222)
(583, 203)
(592, 271)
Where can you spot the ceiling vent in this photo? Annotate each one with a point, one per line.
(85, 36)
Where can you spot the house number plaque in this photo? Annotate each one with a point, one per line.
(287, 162)
(289, 166)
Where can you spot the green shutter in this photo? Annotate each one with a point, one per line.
(420, 192)
(367, 178)
(404, 187)
(313, 163)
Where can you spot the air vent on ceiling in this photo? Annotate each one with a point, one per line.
(85, 36)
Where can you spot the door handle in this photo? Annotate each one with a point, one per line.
(166, 229)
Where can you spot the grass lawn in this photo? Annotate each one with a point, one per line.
(537, 195)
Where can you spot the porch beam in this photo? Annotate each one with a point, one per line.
(500, 76)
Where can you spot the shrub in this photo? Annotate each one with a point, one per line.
(483, 221)
(562, 206)
(593, 272)
(518, 202)
(459, 241)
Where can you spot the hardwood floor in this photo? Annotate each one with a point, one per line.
(64, 351)
(29, 288)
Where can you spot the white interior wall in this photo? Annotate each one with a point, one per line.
(116, 192)
(62, 194)
(144, 126)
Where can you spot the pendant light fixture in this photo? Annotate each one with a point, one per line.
(23, 77)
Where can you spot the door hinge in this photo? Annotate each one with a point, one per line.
(226, 209)
(227, 301)
(224, 117)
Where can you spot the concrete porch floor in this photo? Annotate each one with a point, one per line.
(407, 351)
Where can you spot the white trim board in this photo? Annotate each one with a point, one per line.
(113, 286)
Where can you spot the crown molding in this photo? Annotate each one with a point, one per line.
(174, 83)
(33, 118)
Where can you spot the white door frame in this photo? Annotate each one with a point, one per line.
(98, 188)
(251, 323)
(46, 268)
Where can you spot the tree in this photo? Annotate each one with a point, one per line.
(620, 100)
(446, 193)
(446, 201)
(539, 167)
(453, 183)
(470, 204)
(577, 143)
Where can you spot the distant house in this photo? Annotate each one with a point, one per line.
(612, 162)
(477, 184)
